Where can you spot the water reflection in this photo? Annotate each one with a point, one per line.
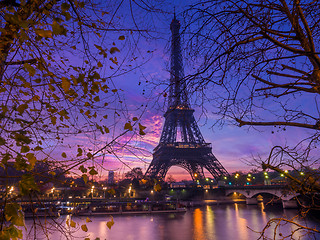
(240, 223)
(218, 222)
(198, 224)
(210, 219)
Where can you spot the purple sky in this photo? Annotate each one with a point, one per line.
(231, 145)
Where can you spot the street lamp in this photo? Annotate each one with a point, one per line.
(104, 192)
(91, 191)
(11, 190)
(130, 188)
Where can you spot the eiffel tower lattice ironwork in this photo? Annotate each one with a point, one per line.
(181, 143)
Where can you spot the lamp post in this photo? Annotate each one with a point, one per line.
(11, 190)
(104, 192)
(52, 193)
(91, 191)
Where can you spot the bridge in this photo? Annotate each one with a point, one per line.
(251, 192)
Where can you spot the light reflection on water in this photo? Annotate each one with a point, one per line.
(204, 223)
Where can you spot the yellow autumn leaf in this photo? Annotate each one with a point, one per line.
(36, 98)
(88, 220)
(53, 120)
(110, 223)
(114, 60)
(114, 50)
(128, 126)
(141, 128)
(44, 33)
(25, 149)
(84, 228)
(107, 130)
(72, 224)
(65, 84)
(32, 159)
(112, 191)
(144, 181)
(85, 178)
(79, 153)
(22, 108)
(157, 187)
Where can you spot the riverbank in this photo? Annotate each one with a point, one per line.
(199, 203)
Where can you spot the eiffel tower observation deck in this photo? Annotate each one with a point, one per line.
(181, 143)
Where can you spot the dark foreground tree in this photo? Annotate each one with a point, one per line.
(58, 60)
(135, 173)
(261, 60)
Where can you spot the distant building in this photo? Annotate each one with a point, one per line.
(111, 178)
(178, 185)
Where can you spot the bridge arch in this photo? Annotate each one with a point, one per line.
(252, 192)
(237, 192)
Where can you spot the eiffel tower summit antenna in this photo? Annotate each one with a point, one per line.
(181, 142)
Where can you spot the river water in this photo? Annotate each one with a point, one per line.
(209, 222)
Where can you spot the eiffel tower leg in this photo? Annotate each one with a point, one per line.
(195, 170)
(158, 169)
(215, 167)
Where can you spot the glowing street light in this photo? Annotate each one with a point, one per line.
(104, 192)
(11, 189)
(91, 191)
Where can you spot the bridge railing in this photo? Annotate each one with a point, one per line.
(275, 186)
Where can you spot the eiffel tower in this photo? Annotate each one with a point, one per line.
(181, 143)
